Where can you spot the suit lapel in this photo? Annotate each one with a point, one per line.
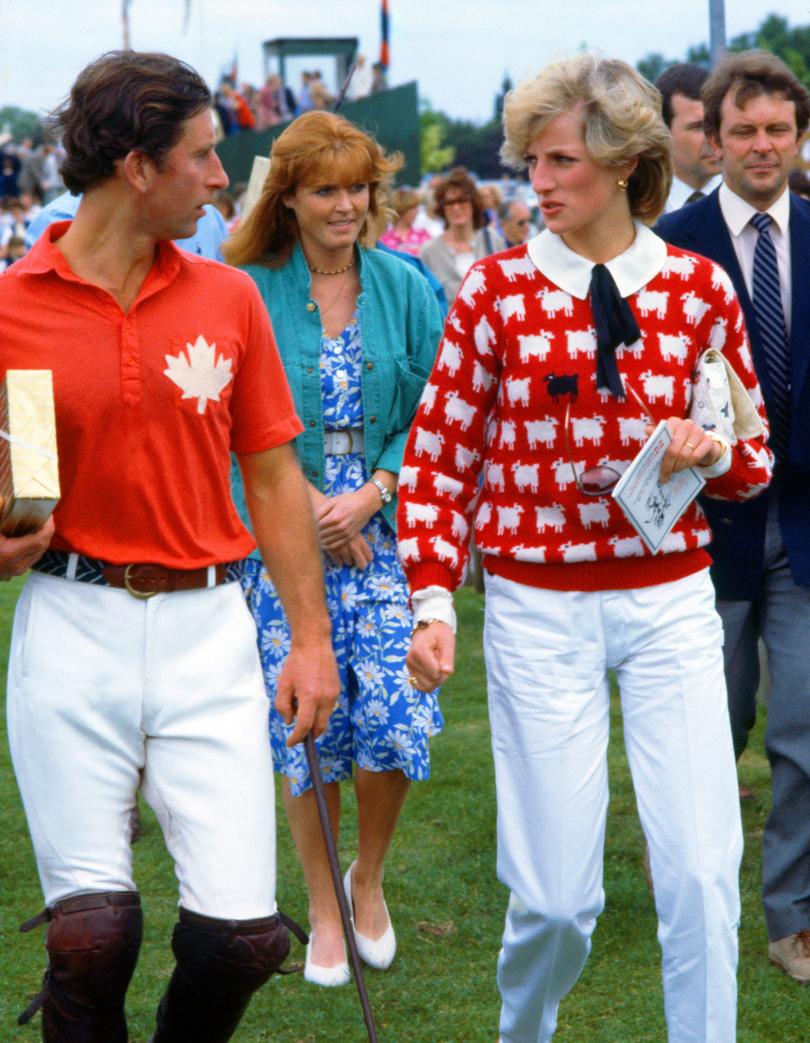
(800, 306)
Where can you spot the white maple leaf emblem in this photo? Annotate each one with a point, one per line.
(199, 375)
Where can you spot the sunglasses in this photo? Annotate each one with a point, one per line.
(600, 480)
(457, 202)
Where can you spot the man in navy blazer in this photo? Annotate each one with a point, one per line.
(756, 112)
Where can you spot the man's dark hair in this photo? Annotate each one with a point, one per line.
(750, 74)
(799, 183)
(684, 78)
(125, 101)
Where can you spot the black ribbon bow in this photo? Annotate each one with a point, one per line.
(615, 325)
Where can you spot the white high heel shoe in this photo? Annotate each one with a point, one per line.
(329, 977)
(376, 952)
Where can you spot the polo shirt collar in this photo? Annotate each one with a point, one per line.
(737, 213)
(631, 270)
(45, 256)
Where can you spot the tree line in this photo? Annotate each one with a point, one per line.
(449, 142)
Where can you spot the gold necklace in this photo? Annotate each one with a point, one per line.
(331, 271)
(344, 282)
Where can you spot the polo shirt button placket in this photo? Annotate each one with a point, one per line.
(130, 360)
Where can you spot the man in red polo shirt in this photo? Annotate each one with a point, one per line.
(133, 656)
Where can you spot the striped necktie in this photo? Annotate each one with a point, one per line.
(694, 197)
(767, 300)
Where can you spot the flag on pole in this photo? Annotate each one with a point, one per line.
(384, 38)
(125, 23)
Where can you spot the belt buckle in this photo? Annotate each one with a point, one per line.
(141, 595)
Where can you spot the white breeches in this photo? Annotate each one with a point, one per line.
(108, 693)
(548, 654)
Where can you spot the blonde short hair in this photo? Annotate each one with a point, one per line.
(622, 121)
(317, 148)
(403, 200)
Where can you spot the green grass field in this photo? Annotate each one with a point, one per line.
(446, 905)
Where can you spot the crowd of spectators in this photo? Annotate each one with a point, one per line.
(256, 108)
(29, 178)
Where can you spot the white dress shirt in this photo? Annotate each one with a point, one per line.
(680, 192)
(737, 214)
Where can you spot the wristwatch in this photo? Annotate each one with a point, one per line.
(425, 623)
(385, 493)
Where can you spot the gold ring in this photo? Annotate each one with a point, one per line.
(412, 681)
(691, 446)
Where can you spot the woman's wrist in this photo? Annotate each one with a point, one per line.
(385, 494)
(721, 460)
(435, 604)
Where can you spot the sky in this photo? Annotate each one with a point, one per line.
(458, 52)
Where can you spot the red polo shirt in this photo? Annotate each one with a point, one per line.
(149, 403)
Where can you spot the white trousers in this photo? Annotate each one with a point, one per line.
(547, 654)
(107, 692)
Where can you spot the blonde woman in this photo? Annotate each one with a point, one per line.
(559, 356)
(402, 235)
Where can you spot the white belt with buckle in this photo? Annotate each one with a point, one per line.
(339, 443)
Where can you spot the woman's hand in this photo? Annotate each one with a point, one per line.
(691, 446)
(355, 552)
(431, 658)
(342, 517)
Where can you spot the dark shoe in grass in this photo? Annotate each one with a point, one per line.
(792, 955)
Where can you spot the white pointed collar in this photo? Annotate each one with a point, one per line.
(631, 270)
(737, 213)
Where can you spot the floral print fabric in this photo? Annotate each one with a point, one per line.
(381, 722)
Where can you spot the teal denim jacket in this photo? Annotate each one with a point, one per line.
(400, 328)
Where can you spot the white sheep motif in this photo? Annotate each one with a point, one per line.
(429, 442)
(541, 431)
(456, 409)
(552, 517)
(552, 301)
(445, 551)
(474, 284)
(509, 518)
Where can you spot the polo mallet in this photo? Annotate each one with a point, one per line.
(344, 87)
(334, 865)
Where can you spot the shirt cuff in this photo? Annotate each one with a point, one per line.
(719, 467)
(434, 603)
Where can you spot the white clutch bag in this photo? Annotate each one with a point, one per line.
(720, 401)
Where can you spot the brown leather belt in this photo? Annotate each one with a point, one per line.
(144, 581)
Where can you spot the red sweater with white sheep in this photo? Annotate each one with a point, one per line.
(516, 350)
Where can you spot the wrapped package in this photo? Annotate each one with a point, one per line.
(29, 469)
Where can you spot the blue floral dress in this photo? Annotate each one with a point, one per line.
(381, 722)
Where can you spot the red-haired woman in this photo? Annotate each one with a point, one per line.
(357, 331)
